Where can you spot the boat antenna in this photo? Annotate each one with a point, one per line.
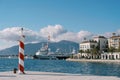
(48, 40)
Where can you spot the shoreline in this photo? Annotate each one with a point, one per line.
(34, 75)
(93, 60)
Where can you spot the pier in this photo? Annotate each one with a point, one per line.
(31, 75)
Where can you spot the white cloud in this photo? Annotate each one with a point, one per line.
(75, 37)
(58, 33)
(5, 44)
(33, 37)
(109, 34)
(13, 34)
(118, 31)
(9, 36)
(84, 34)
(54, 31)
(66, 36)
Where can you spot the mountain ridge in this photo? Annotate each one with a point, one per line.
(32, 48)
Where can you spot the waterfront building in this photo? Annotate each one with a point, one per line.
(88, 45)
(102, 43)
(115, 55)
(114, 42)
(99, 41)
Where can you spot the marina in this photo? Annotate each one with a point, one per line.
(32, 75)
(60, 40)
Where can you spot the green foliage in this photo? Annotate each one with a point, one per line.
(118, 50)
(111, 49)
(95, 50)
(81, 51)
(87, 51)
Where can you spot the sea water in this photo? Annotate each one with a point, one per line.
(62, 66)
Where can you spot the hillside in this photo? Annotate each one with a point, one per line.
(31, 49)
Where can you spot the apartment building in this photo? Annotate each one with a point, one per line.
(102, 42)
(114, 42)
(87, 45)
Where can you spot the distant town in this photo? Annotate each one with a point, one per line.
(99, 47)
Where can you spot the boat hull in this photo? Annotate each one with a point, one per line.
(44, 57)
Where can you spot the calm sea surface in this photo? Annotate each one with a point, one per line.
(87, 68)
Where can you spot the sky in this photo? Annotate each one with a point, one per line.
(61, 19)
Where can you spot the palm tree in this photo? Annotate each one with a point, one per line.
(88, 53)
(118, 48)
(95, 51)
(111, 49)
(81, 51)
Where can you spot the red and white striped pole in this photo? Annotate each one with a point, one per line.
(21, 53)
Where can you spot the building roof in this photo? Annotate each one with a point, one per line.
(100, 37)
(90, 41)
(115, 36)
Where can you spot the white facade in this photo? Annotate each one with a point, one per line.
(87, 45)
(114, 42)
(102, 42)
(110, 56)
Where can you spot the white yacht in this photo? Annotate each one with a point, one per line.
(43, 54)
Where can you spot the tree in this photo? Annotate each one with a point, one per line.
(111, 49)
(87, 51)
(118, 50)
(106, 47)
(81, 51)
(95, 51)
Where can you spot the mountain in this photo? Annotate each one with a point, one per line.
(31, 49)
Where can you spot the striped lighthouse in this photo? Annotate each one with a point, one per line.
(21, 53)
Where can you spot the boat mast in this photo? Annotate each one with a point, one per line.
(48, 41)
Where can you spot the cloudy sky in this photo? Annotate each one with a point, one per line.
(61, 19)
